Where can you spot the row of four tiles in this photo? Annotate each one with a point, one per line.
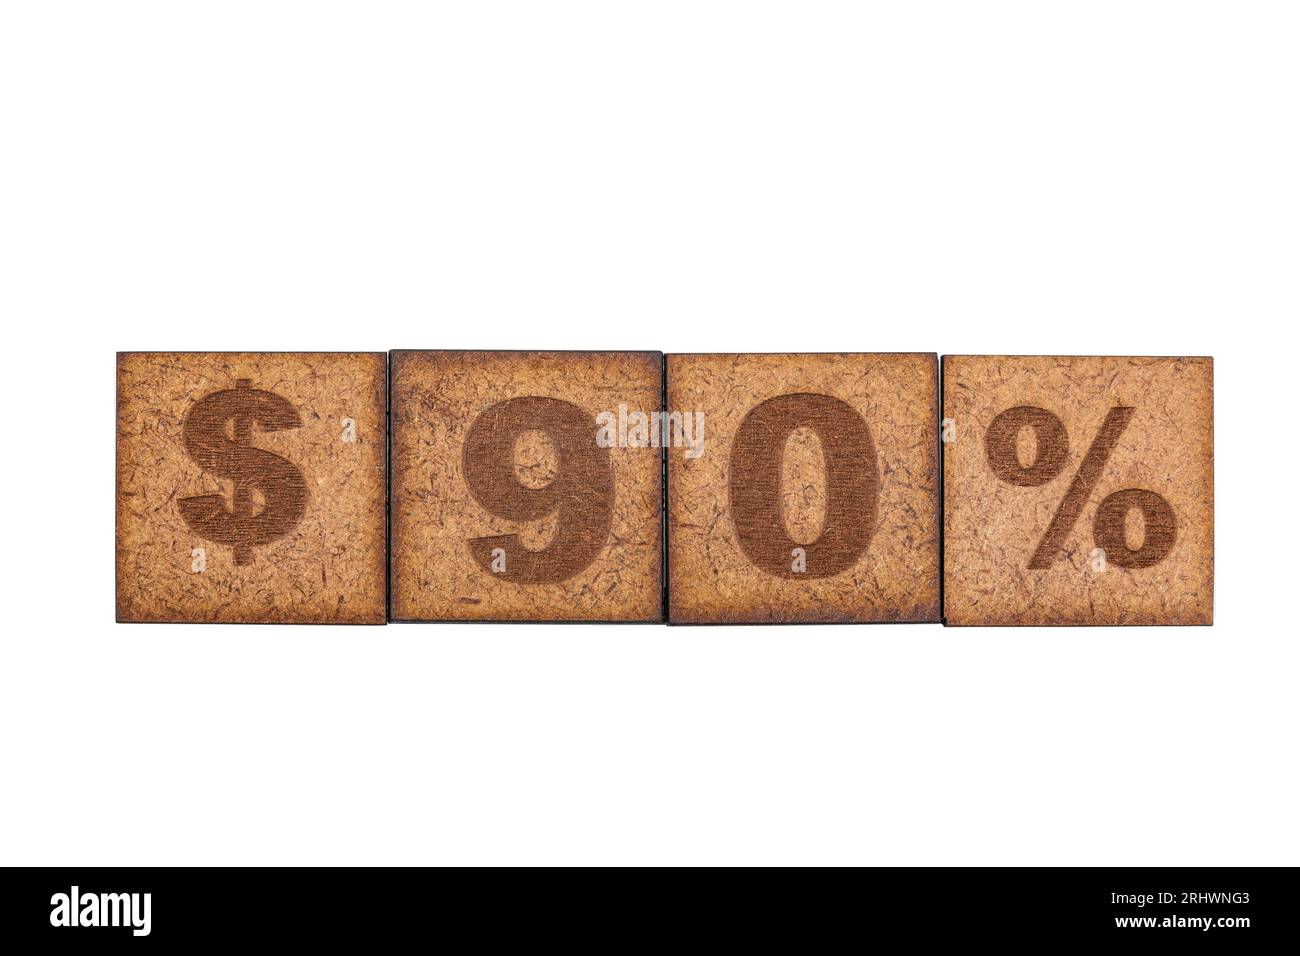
(634, 487)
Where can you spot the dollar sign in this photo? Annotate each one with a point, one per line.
(280, 482)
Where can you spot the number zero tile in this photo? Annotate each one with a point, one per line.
(814, 494)
(251, 487)
(525, 487)
(1078, 490)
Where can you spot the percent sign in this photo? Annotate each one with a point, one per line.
(1049, 461)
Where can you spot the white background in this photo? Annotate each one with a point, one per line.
(1007, 177)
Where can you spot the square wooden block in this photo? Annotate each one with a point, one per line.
(814, 494)
(1078, 490)
(522, 489)
(250, 487)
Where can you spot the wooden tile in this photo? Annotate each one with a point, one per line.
(250, 487)
(1078, 490)
(815, 495)
(506, 506)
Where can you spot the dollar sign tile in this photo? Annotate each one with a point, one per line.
(250, 487)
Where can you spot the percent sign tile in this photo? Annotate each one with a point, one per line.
(1078, 490)
(250, 487)
(810, 492)
(527, 486)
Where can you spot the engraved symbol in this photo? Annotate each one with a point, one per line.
(269, 494)
(198, 560)
(799, 562)
(1053, 448)
(349, 435)
(852, 485)
(578, 491)
(1098, 560)
(949, 431)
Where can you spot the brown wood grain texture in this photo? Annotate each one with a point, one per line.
(251, 487)
(815, 498)
(505, 507)
(1078, 490)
